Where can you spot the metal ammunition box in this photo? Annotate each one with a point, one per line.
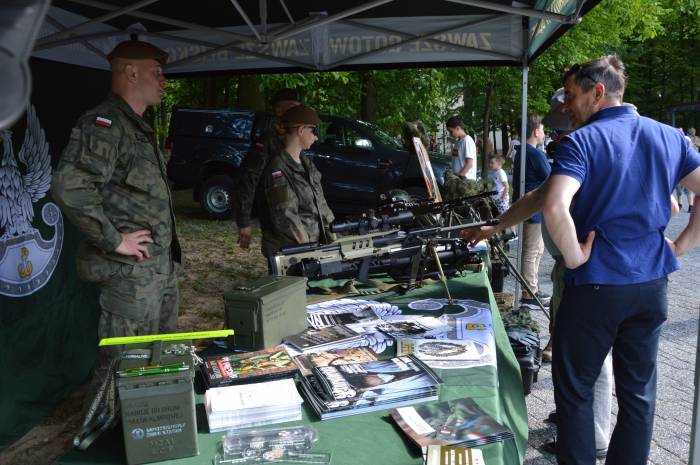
(265, 312)
(158, 410)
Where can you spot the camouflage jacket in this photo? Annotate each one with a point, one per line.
(296, 210)
(249, 174)
(111, 179)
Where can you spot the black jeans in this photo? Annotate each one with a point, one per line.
(591, 320)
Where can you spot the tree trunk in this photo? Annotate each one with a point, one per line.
(249, 94)
(368, 99)
(505, 140)
(485, 133)
(493, 133)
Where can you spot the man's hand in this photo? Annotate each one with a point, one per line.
(474, 235)
(674, 248)
(244, 236)
(133, 244)
(586, 248)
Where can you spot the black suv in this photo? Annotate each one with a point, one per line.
(359, 162)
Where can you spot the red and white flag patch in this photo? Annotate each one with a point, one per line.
(276, 174)
(100, 121)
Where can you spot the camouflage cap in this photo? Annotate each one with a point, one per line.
(555, 117)
(285, 94)
(300, 114)
(135, 49)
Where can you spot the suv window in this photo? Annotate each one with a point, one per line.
(338, 135)
(354, 139)
(383, 137)
(207, 123)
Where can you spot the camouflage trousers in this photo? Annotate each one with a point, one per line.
(140, 299)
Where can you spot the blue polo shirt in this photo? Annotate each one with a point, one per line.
(628, 166)
(537, 171)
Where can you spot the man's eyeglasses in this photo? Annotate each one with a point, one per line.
(578, 70)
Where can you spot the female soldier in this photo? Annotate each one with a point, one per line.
(296, 210)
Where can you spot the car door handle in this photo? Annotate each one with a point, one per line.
(319, 155)
(382, 163)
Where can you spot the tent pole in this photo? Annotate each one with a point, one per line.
(694, 458)
(523, 126)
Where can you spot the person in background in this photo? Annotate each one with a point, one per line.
(537, 170)
(694, 139)
(464, 150)
(500, 184)
(295, 210)
(514, 146)
(255, 161)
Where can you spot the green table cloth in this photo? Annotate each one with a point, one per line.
(373, 438)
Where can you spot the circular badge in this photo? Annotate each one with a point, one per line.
(428, 305)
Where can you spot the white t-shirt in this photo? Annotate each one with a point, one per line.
(499, 182)
(463, 149)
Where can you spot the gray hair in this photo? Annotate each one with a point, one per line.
(608, 70)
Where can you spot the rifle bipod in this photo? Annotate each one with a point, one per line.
(506, 261)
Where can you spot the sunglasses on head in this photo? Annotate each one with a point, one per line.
(579, 70)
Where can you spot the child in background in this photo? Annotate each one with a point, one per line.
(500, 184)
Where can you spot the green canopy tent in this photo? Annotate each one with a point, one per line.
(69, 40)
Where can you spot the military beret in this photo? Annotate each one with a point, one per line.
(135, 49)
(300, 114)
(285, 94)
(555, 117)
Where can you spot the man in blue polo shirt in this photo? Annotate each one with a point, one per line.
(610, 188)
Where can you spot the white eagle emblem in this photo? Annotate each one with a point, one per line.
(26, 259)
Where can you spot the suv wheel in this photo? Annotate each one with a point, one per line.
(216, 195)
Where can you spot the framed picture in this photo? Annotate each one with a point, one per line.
(427, 169)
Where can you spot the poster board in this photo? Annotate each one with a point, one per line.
(427, 170)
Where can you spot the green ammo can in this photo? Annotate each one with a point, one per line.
(157, 401)
(263, 313)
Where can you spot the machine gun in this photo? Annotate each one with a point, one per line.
(401, 212)
(401, 254)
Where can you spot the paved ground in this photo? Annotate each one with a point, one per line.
(674, 412)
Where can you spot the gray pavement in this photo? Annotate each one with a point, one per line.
(676, 365)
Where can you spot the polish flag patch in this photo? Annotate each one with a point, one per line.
(100, 121)
(276, 174)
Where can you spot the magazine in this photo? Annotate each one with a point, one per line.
(335, 391)
(456, 422)
(327, 408)
(306, 362)
(322, 320)
(403, 326)
(248, 367)
(376, 378)
(319, 339)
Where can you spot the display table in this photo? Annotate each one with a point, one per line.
(373, 438)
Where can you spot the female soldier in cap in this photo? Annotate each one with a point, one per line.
(296, 210)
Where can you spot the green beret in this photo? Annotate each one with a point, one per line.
(300, 115)
(135, 49)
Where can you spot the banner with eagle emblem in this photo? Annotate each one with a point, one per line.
(27, 258)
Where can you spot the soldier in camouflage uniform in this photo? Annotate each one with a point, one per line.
(111, 183)
(296, 211)
(254, 163)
